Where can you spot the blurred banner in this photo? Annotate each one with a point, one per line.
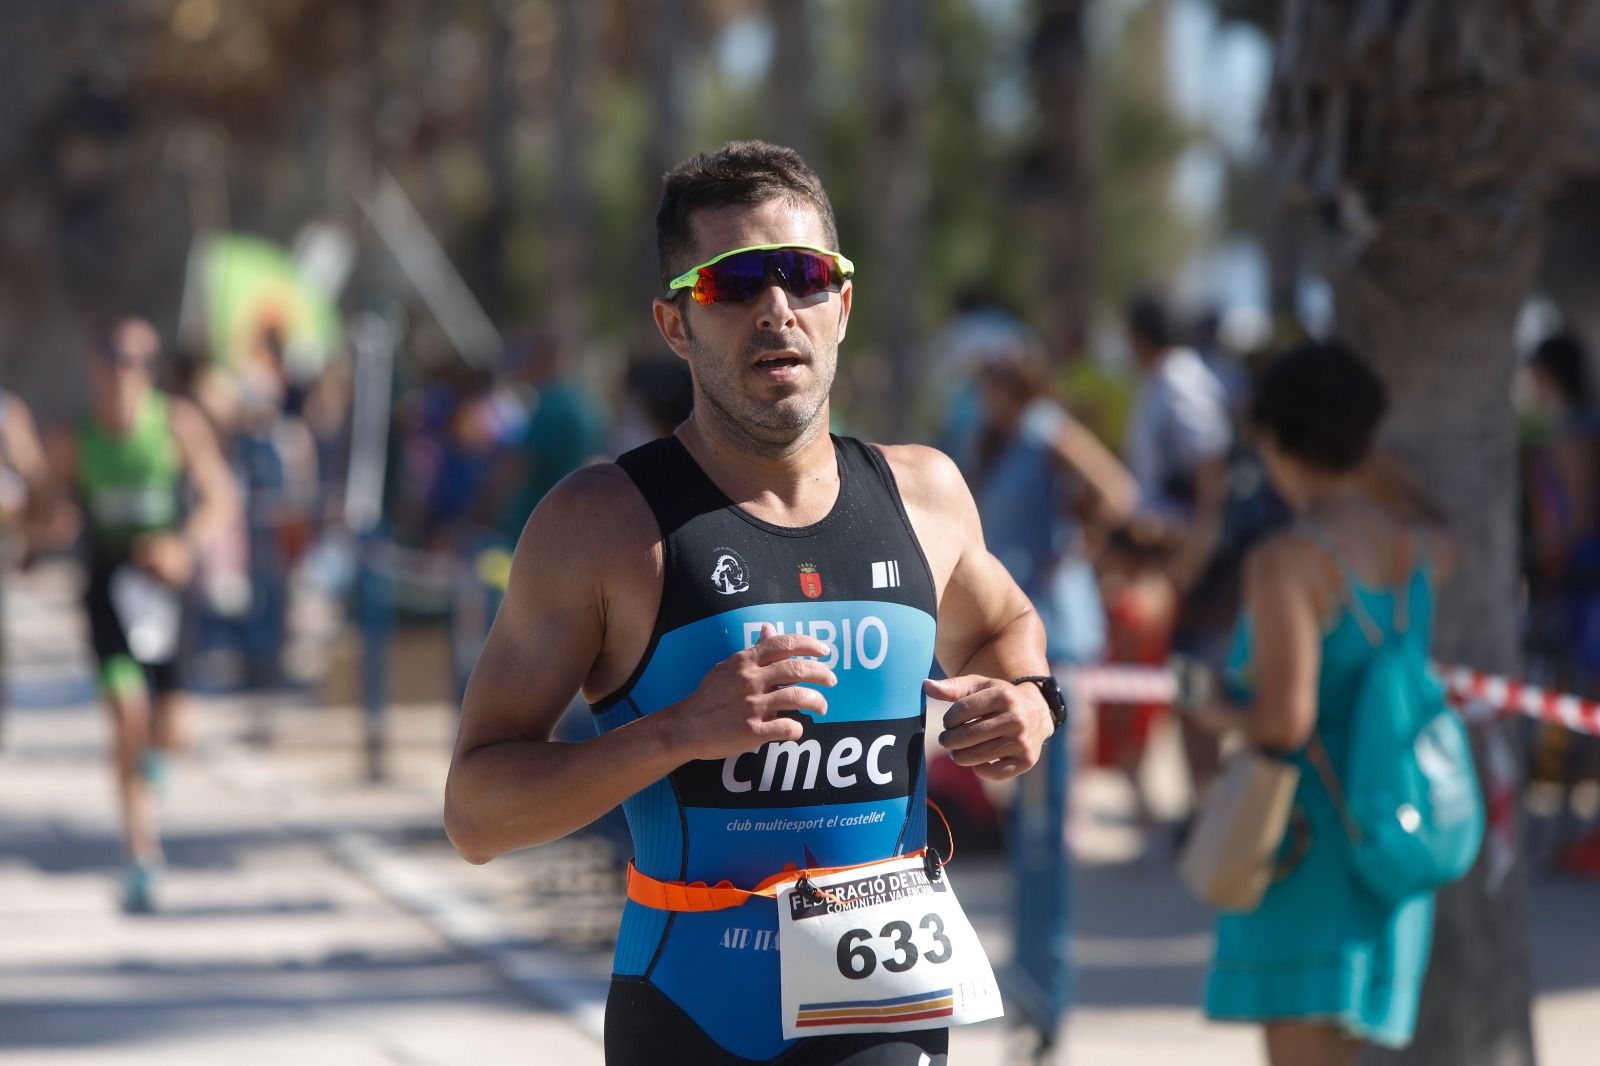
(239, 285)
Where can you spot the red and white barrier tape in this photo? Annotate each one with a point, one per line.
(1506, 697)
(1479, 694)
(1121, 684)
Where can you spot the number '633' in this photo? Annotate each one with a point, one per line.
(857, 959)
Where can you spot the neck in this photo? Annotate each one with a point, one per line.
(795, 484)
(1322, 494)
(118, 415)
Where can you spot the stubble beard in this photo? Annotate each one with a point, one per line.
(771, 430)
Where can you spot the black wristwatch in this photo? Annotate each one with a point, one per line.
(1053, 696)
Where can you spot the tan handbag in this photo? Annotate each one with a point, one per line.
(1232, 848)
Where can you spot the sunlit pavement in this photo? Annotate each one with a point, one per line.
(311, 916)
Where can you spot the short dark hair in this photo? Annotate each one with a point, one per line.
(1561, 356)
(1321, 404)
(739, 174)
(1147, 319)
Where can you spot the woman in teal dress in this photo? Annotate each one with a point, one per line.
(1321, 963)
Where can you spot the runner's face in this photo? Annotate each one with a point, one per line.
(763, 369)
(120, 382)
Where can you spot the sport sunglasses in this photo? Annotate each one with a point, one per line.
(739, 275)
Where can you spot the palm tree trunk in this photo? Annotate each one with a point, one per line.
(1427, 138)
(789, 81)
(1446, 353)
(1060, 62)
(900, 194)
(570, 206)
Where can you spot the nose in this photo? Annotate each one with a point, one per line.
(773, 311)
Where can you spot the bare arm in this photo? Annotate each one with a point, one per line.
(218, 505)
(1116, 491)
(22, 448)
(510, 786)
(1205, 532)
(988, 631)
(1286, 609)
(53, 518)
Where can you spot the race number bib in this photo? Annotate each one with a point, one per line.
(879, 948)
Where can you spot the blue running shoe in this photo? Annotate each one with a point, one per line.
(138, 887)
(153, 768)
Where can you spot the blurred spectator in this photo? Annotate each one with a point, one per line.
(1039, 478)
(1040, 481)
(979, 328)
(275, 458)
(458, 427)
(1222, 359)
(1322, 962)
(1562, 475)
(1561, 478)
(565, 428)
(657, 395)
(1140, 605)
(23, 473)
(1178, 442)
(1100, 396)
(1178, 439)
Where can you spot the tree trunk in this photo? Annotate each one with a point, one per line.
(1427, 138)
(670, 51)
(789, 79)
(1445, 351)
(499, 120)
(1572, 256)
(1060, 62)
(569, 222)
(900, 196)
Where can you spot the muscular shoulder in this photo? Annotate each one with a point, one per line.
(936, 498)
(589, 567)
(594, 510)
(928, 480)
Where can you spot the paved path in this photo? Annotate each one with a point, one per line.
(310, 916)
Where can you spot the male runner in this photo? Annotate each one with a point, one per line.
(685, 586)
(152, 486)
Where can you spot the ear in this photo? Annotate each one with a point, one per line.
(845, 294)
(669, 316)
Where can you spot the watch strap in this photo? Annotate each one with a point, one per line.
(1050, 689)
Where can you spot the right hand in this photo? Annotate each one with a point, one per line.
(740, 703)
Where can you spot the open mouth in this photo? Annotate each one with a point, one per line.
(779, 361)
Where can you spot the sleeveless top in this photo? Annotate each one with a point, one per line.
(851, 790)
(130, 483)
(1320, 946)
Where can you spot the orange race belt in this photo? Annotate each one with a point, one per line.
(699, 896)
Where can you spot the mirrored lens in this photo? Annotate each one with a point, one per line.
(740, 278)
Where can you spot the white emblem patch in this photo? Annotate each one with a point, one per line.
(729, 574)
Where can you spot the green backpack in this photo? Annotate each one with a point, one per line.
(1412, 806)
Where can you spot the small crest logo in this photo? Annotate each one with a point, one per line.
(729, 574)
(810, 580)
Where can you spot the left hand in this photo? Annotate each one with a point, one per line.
(167, 556)
(993, 726)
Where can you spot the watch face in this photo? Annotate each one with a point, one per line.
(1053, 697)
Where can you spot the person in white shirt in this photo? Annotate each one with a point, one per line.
(1179, 436)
